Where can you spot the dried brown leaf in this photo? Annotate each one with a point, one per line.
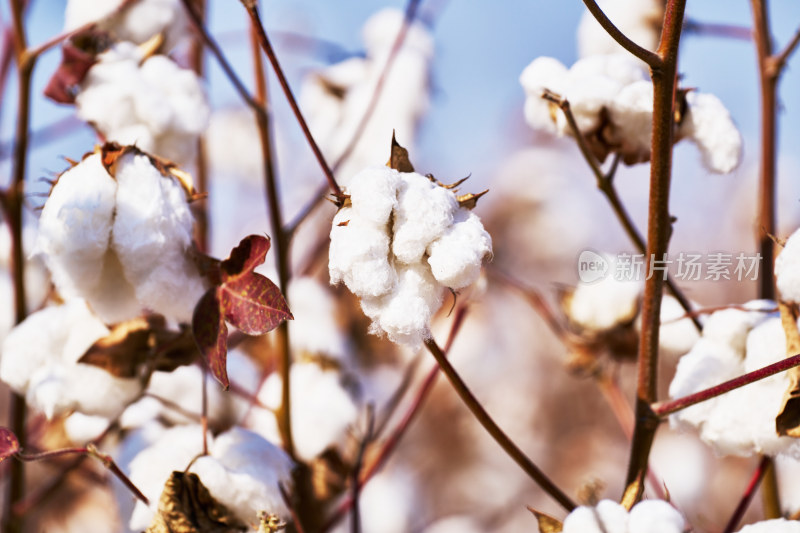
(547, 524)
(127, 346)
(186, 506)
(470, 200)
(211, 335)
(398, 159)
(787, 423)
(63, 84)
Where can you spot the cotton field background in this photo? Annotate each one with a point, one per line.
(440, 224)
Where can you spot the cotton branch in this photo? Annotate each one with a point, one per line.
(654, 61)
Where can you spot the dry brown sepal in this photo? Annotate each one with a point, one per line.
(133, 343)
(547, 524)
(787, 423)
(186, 506)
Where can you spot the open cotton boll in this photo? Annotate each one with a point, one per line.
(315, 329)
(639, 20)
(322, 410)
(388, 504)
(373, 193)
(655, 516)
(542, 73)
(40, 360)
(151, 467)
(710, 126)
(787, 269)
(136, 22)
(676, 337)
(649, 516)
(153, 104)
(455, 257)
(122, 243)
(604, 304)
(778, 525)
(245, 473)
(632, 120)
(81, 428)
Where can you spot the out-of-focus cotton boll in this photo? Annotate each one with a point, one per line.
(171, 450)
(640, 20)
(788, 470)
(708, 124)
(435, 243)
(337, 97)
(787, 269)
(121, 242)
(388, 503)
(779, 525)
(676, 335)
(151, 103)
(740, 422)
(40, 360)
(81, 428)
(322, 410)
(315, 329)
(245, 473)
(454, 524)
(137, 22)
(37, 282)
(649, 516)
(605, 303)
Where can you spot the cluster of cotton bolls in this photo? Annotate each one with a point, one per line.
(336, 98)
(611, 99)
(131, 96)
(399, 244)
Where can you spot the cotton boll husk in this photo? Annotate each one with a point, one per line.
(152, 234)
(454, 524)
(373, 193)
(322, 410)
(150, 469)
(40, 360)
(631, 114)
(637, 19)
(356, 242)
(244, 472)
(787, 269)
(315, 328)
(778, 525)
(607, 517)
(424, 210)
(405, 314)
(655, 516)
(457, 256)
(710, 126)
(543, 73)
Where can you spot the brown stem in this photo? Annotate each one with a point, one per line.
(712, 29)
(494, 430)
(666, 408)
(779, 60)
(763, 466)
(263, 39)
(652, 59)
(200, 208)
(605, 182)
(659, 226)
(281, 242)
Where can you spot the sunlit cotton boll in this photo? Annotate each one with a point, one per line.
(649, 516)
(708, 124)
(40, 361)
(121, 242)
(245, 473)
(150, 102)
(400, 244)
(136, 22)
(323, 411)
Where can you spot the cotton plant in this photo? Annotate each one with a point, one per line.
(648, 516)
(740, 422)
(336, 98)
(41, 361)
(398, 243)
(136, 21)
(116, 230)
(611, 98)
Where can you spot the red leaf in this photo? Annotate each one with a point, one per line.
(75, 63)
(253, 304)
(9, 445)
(211, 335)
(249, 253)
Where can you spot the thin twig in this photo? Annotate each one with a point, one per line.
(652, 59)
(605, 182)
(494, 430)
(749, 492)
(780, 59)
(712, 29)
(287, 91)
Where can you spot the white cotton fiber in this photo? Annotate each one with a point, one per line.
(710, 126)
(787, 269)
(455, 257)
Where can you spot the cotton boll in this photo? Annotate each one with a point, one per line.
(373, 193)
(322, 410)
(710, 126)
(424, 211)
(388, 503)
(632, 120)
(778, 525)
(640, 20)
(543, 73)
(655, 516)
(604, 304)
(454, 524)
(152, 233)
(787, 269)
(245, 473)
(456, 257)
(81, 428)
(315, 329)
(607, 517)
(676, 337)
(588, 96)
(151, 467)
(620, 68)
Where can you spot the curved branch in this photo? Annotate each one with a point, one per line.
(652, 59)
